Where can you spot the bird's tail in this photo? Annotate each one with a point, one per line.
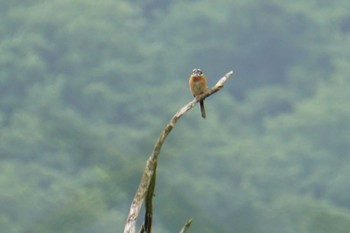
(202, 108)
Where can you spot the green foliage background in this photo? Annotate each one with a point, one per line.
(86, 87)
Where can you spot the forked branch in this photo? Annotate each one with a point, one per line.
(148, 177)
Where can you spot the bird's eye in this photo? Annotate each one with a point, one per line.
(197, 71)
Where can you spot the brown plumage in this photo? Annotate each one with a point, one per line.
(198, 85)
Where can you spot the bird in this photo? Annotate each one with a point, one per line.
(198, 85)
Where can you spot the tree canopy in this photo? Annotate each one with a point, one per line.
(86, 86)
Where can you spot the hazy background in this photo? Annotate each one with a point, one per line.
(86, 87)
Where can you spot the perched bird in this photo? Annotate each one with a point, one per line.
(198, 85)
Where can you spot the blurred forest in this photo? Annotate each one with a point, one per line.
(87, 86)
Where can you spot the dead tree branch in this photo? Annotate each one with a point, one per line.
(147, 184)
(186, 226)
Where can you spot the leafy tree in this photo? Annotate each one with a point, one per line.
(85, 87)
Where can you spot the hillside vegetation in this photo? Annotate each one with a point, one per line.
(86, 87)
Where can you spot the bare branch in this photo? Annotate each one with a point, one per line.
(186, 226)
(151, 164)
